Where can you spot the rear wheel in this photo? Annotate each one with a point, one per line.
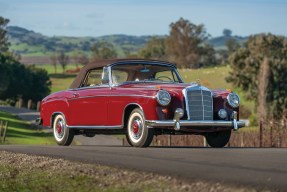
(218, 139)
(138, 135)
(62, 134)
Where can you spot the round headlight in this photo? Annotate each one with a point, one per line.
(233, 100)
(163, 97)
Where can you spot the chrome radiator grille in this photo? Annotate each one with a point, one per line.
(199, 104)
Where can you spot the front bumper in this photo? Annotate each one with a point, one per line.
(187, 123)
(177, 123)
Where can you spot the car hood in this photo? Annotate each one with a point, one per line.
(175, 88)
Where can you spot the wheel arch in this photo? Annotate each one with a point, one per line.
(54, 115)
(127, 112)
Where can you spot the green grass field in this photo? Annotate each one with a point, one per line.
(21, 132)
(60, 80)
(214, 78)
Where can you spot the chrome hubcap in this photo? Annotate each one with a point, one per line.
(136, 128)
(60, 129)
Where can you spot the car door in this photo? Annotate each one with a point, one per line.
(88, 104)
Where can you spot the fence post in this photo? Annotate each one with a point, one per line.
(29, 105)
(204, 142)
(20, 103)
(1, 125)
(38, 105)
(5, 130)
(260, 134)
(271, 134)
(169, 140)
(242, 140)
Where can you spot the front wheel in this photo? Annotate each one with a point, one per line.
(138, 135)
(218, 139)
(62, 134)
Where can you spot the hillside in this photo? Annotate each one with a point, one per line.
(37, 47)
(219, 42)
(30, 43)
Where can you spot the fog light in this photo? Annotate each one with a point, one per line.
(180, 112)
(222, 114)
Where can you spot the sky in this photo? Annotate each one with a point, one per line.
(145, 17)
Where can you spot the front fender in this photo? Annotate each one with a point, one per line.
(52, 107)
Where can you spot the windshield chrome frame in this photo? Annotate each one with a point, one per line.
(173, 69)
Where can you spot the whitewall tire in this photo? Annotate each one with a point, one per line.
(138, 135)
(62, 134)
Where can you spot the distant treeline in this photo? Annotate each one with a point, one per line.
(27, 42)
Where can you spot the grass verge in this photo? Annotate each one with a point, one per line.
(20, 172)
(21, 132)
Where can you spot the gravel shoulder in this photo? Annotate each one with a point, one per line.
(21, 172)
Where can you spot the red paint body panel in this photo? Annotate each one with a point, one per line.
(89, 107)
(105, 106)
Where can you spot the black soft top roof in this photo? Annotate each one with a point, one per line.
(110, 62)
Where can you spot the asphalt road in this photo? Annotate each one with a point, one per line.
(260, 168)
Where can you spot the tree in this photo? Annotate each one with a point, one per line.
(260, 69)
(103, 50)
(4, 44)
(183, 43)
(232, 45)
(227, 32)
(40, 84)
(63, 60)
(207, 57)
(154, 49)
(16, 79)
(54, 62)
(83, 59)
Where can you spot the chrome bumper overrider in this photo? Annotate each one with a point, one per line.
(177, 123)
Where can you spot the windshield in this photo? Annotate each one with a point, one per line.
(144, 72)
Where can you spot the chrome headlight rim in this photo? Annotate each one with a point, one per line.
(163, 97)
(230, 99)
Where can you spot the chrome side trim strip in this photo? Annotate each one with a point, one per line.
(90, 87)
(94, 127)
(95, 96)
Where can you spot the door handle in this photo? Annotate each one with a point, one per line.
(75, 95)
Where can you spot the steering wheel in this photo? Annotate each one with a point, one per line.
(161, 77)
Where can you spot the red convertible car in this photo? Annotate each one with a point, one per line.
(139, 98)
